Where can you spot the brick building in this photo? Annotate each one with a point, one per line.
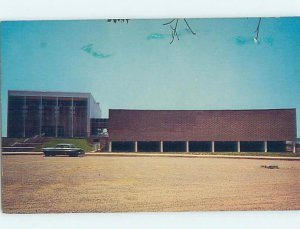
(202, 130)
(67, 114)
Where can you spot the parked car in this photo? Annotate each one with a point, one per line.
(63, 149)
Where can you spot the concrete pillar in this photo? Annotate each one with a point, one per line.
(72, 118)
(161, 146)
(56, 113)
(213, 146)
(40, 115)
(135, 146)
(265, 146)
(187, 146)
(109, 147)
(88, 120)
(294, 147)
(239, 146)
(24, 117)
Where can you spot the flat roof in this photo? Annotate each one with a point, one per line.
(154, 110)
(49, 93)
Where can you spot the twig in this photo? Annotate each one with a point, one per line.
(257, 30)
(174, 29)
(189, 26)
(169, 22)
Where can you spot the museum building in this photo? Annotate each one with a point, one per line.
(78, 115)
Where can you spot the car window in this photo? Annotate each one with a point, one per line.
(65, 146)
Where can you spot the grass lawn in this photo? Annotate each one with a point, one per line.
(78, 142)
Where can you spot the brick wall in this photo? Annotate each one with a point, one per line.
(205, 125)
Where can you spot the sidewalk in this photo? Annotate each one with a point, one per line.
(106, 154)
(191, 156)
(22, 153)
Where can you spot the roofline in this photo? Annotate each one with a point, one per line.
(206, 110)
(32, 92)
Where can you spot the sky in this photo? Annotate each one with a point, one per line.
(133, 65)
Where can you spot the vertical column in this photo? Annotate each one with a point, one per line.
(239, 146)
(88, 120)
(56, 111)
(135, 146)
(41, 115)
(161, 146)
(72, 118)
(187, 146)
(294, 147)
(109, 146)
(213, 146)
(265, 146)
(24, 117)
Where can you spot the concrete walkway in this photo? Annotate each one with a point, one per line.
(191, 156)
(22, 153)
(168, 155)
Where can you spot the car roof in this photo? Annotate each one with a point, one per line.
(64, 144)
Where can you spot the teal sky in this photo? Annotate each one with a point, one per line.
(133, 66)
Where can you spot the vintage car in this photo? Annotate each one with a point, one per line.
(63, 149)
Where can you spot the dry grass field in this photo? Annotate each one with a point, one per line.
(40, 184)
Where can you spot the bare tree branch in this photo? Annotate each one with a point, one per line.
(169, 22)
(257, 31)
(189, 26)
(174, 29)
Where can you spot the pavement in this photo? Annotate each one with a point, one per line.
(106, 154)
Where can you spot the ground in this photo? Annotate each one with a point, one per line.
(33, 183)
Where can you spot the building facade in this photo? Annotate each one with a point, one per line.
(50, 114)
(202, 130)
(78, 115)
